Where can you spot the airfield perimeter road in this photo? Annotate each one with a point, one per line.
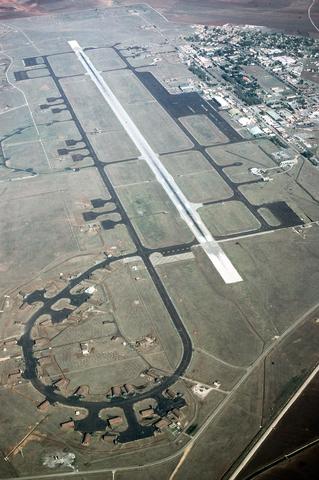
(186, 209)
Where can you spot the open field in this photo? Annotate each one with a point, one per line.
(93, 114)
(203, 130)
(241, 420)
(154, 216)
(290, 16)
(204, 187)
(32, 220)
(207, 366)
(126, 173)
(48, 222)
(266, 81)
(185, 163)
(265, 322)
(38, 90)
(26, 155)
(140, 312)
(218, 328)
(162, 133)
(64, 145)
(108, 305)
(113, 146)
(197, 179)
(18, 127)
(118, 82)
(228, 218)
(207, 369)
(105, 59)
(253, 153)
(65, 65)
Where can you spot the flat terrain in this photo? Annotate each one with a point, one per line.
(288, 15)
(265, 80)
(257, 324)
(228, 218)
(123, 353)
(201, 129)
(297, 429)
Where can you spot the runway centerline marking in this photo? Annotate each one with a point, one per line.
(186, 209)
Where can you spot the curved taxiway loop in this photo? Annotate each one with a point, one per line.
(93, 422)
(309, 15)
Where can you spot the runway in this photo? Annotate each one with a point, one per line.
(186, 209)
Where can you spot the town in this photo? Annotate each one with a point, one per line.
(267, 82)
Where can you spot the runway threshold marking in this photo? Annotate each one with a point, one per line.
(186, 209)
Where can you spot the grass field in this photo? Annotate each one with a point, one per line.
(207, 369)
(126, 173)
(127, 88)
(27, 155)
(18, 127)
(203, 130)
(66, 64)
(204, 187)
(33, 216)
(140, 311)
(153, 214)
(267, 81)
(228, 218)
(185, 163)
(113, 146)
(244, 155)
(159, 129)
(105, 59)
(225, 436)
(91, 109)
(217, 327)
(198, 180)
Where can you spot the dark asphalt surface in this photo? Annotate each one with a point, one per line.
(92, 422)
(175, 105)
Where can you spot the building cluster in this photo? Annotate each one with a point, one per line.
(169, 418)
(12, 365)
(268, 82)
(121, 391)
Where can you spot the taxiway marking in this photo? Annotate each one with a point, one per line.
(186, 209)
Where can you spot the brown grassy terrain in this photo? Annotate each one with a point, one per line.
(27, 8)
(288, 15)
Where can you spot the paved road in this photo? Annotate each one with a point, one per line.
(198, 434)
(273, 425)
(309, 14)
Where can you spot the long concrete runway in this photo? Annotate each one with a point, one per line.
(185, 208)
